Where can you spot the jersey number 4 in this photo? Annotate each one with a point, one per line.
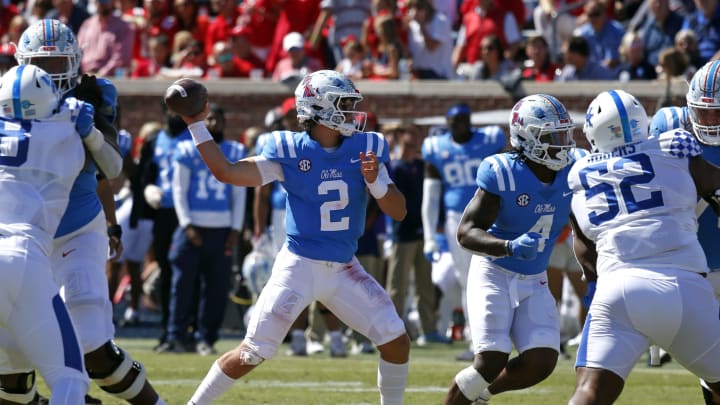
(623, 188)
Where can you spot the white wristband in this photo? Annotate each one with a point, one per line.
(378, 188)
(199, 132)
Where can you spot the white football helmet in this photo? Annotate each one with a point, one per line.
(27, 93)
(615, 118)
(703, 100)
(51, 45)
(329, 98)
(256, 270)
(541, 129)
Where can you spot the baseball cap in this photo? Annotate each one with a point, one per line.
(287, 105)
(293, 40)
(458, 109)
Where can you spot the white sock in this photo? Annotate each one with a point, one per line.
(335, 335)
(215, 384)
(160, 401)
(391, 380)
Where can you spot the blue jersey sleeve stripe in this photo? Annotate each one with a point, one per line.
(368, 142)
(506, 166)
(381, 144)
(278, 145)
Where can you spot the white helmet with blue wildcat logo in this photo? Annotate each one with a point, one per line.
(27, 93)
(615, 118)
(703, 100)
(329, 98)
(541, 129)
(51, 45)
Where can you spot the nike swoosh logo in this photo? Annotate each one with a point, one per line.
(567, 194)
(68, 252)
(354, 160)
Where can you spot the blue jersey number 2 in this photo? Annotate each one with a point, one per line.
(624, 187)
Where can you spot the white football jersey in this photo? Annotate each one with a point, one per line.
(638, 203)
(39, 161)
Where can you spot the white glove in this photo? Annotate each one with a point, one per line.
(431, 250)
(153, 195)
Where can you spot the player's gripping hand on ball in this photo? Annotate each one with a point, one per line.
(85, 120)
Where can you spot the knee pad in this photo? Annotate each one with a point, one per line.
(125, 366)
(22, 390)
(472, 384)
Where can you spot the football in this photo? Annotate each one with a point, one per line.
(186, 97)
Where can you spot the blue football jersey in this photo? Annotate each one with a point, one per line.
(669, 118)
(84, 203)
(326, 191)
(526, 205)
(278, 195)
(206, 193)
(458, 163)
(163, 156)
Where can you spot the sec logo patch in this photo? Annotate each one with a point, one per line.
(304, 165)
(523, 200)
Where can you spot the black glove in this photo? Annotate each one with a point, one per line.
(89, 91)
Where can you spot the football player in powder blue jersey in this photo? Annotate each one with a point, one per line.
(451, 162)
(520, 206)
(326, 170)
(701, 117)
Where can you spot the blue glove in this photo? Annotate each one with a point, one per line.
(85, 120)
(587, 299)
(525, 246)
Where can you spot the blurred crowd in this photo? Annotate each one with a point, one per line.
(542, 40)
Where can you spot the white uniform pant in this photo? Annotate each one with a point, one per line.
(346, 289)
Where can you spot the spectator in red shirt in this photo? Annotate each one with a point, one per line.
(260, 17)
(7, 12)
(188, 57)
(479, 19)
(17, 25)
(159, 57)
(156, 20)
(221, 27)
(226, 64)
(369, 36)
(540, 68)
(245, 58)
(188, 18)
(296, 16)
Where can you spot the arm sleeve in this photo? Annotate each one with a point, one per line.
(180, 186)
(238, 207)
(105, 155)
(430, 209)
(269, 171)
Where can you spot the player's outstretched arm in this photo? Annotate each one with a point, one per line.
(244, 173)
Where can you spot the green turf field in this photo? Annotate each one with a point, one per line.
(318, 379)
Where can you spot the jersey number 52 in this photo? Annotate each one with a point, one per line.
(619, 194)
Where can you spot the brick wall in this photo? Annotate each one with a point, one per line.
(246, 102)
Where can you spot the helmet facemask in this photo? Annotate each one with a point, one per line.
(551, 147)
(703, 100)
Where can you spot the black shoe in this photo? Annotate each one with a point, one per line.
(172, 346)
(92, 401)
(39, 400)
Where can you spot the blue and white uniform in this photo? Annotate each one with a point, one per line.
(80, 250)
(39, 160)
(637, 204)
(670, 118)
(214, 209)
(458, 164)
(325, 217)
(524, 313)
